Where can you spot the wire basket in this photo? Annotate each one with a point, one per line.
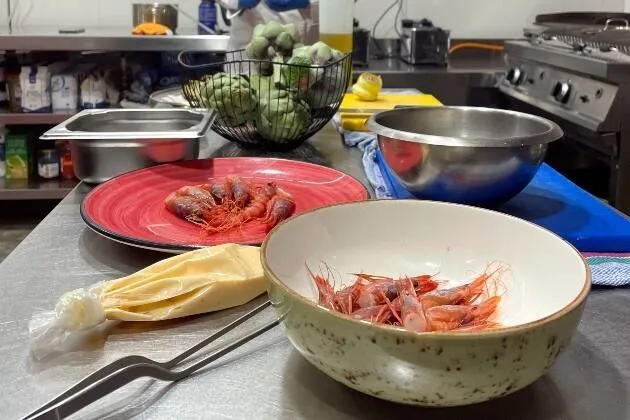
(266, 104)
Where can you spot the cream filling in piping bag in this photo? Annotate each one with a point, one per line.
(196, 282)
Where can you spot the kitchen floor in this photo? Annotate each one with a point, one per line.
(17, 220)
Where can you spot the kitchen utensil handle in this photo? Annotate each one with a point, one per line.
(124, 376)
(622, 20)
(134, 360)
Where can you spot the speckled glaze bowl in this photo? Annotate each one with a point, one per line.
(545, 291)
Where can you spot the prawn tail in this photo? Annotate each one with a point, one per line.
(486, 308)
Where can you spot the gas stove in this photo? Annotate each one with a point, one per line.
(590, 88)
(579, 76)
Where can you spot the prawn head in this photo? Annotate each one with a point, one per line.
(187, 208)
(240, 191)
(327, 297)
(413, 316)
(198, 193)
(279, 208)
(222, 192)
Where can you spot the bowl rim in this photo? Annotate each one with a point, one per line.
(497, 332)
(551, 134)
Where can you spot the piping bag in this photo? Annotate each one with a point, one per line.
(196, 282)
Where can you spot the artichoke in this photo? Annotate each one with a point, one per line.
(272, 29)
(258, 30)
(261, 85)
(282, 118)
(231, 96)
(296, 75)
(272, 40)
(328, 88)
(321, 54)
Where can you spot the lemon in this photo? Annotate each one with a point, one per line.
(367, 87)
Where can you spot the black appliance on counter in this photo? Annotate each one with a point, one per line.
(574, 69)
(360, 46)
(423, 43)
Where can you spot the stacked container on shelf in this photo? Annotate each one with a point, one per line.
(23, 157)
(2, 159)
(31, 83)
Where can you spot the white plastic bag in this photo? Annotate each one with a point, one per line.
(76, 311)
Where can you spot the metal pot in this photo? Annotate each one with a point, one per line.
(107, 143)
(162, 13)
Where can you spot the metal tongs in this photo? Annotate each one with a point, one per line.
(127, 369)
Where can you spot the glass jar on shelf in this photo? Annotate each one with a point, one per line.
(65, 161)
(48, 164)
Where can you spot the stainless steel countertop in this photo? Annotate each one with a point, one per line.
(451, 84)
(266, 379)
(107, 39)
(482, 63)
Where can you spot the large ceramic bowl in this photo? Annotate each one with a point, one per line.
(545, 290)
(467, 155)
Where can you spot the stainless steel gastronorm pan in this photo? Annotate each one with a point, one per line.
(108, 142)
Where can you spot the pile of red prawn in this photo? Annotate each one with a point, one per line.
(414, 303)
(228, 205)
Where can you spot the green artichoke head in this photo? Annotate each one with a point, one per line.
(258, 30)
(328, 88)
(231, 96)
(257, 47)
(272, 30)
(284, 43)
(292, 30)
(261, 85)
(282, 118)
(297, 73)
(321, 54)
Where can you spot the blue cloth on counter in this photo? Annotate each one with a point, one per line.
(611, 271)
(366, 142)
(550, 200)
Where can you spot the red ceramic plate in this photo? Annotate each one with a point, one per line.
(130, 208)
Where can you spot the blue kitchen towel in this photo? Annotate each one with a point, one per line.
(613, 271)
(610, 270)
(366, 142)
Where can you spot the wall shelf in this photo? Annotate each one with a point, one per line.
(8, 118)
(107, 39)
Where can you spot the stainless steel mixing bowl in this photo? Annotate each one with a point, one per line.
(469, 155)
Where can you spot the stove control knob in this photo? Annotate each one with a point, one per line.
(515, 76)
(561, 92)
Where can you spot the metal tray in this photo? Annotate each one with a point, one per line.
(133, 124)
(107, 143)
